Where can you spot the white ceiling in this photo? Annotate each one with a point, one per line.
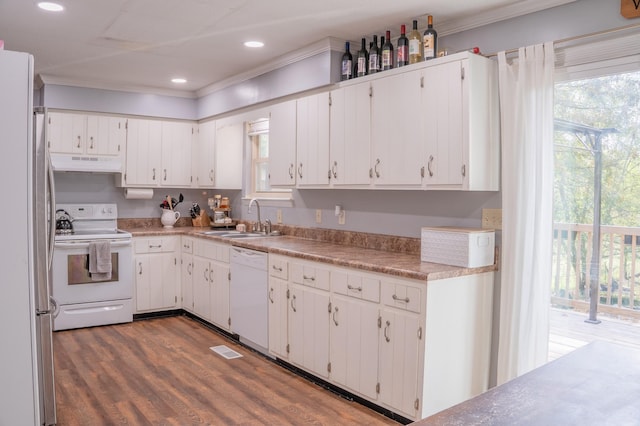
(141, 44)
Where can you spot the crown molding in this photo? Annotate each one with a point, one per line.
(46, 79)
(325, 45)
(496, 15)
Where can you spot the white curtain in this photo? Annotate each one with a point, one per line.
(526, 104)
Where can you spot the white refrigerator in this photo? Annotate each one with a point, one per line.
(26, 363)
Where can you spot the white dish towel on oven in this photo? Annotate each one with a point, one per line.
(100, 260)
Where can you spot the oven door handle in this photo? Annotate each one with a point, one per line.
(85, 244)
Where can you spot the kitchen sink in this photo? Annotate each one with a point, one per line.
(243, 235)
(220, 232)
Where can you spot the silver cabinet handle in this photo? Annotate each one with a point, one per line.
(397, 299)
(91, 146)
(78, 146)
(206, 273)
(165, 175)
(375, 168)
(464, 170)
(277, 268)
(293, 306)
(190, 268)
(300, 171)
(334, 169)
(350, 287)
(211, 175)
(291, 166)
(210, 273)
(371, 173)
(335, 312)
(429, 166)
(386, 329)
(139, 268)
(304, 277)
(154, 174)
(155, 246)
(270, 295)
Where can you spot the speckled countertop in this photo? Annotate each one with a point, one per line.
(399, 258)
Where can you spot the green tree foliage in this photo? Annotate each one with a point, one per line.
(603, 102)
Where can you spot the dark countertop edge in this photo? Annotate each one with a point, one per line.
(258, 244)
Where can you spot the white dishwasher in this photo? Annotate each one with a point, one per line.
(248, 298)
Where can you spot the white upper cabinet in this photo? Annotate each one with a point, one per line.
(397, 139)
(177, 140)
(312, 140)
(228, 155)
(350, 133)
(462, 125)
(144, 150)
(98, 135)
(282, 144)
(204, 160)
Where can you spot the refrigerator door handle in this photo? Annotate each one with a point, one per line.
(56, 307)
(52, 210)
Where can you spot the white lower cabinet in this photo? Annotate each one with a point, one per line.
(409, 346)
(211, 282)
(186, 273)
(157, 274)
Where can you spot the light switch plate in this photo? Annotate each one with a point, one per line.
(318, 216)
(279, 216)
(492, 218)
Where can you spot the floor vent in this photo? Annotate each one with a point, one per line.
(225, 352)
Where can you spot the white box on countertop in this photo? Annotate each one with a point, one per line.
(466, 247)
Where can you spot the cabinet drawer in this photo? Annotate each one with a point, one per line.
(154, 245)
(211, 251)
(401, 296)
(310, 275)
(355, 285)
(278, 267)
(187, 245)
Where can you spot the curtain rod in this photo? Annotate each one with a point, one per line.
(580, 37)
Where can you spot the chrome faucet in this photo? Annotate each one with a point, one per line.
(257, 226)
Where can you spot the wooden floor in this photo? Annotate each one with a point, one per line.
(569, 331)
(162, 372)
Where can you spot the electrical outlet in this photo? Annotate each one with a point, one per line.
(279, 216)
(492, 218)
(318, 216)
(342, 217)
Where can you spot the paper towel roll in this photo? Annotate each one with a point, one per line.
(138, 193)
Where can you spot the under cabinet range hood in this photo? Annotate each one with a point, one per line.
(84, 163)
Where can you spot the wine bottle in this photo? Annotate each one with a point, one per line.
(363, 57)
(415, 45)
(430, 40)
(387, 53)
(403, 48)
(347, 63)
(374, 53)
(380, 53)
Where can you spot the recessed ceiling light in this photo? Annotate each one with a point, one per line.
(179, 80)
(50, 7)
(253, 43)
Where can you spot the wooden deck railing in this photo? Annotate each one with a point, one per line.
(619, 275)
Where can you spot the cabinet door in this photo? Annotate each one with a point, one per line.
(177, 140)
(219, 281)
(156, 281)
(312, 141)
(203, 156)
(350, 135)
(308, 319)
(186, 281)
(282, 144)
(201, 288)
(66, 132)
(354, 345)
(144, 151)
(442, 103)
(106, 136)
(396, 130)
(229, 143)
(400, 337)
(278, 317)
